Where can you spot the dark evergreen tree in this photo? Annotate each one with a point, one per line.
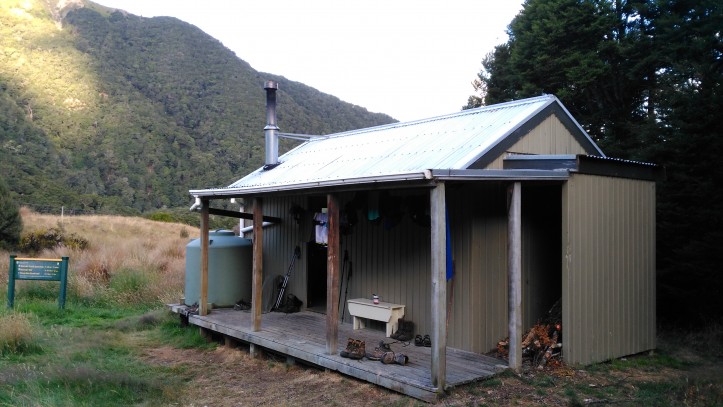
(577, 50)
(643, 77)
(11, 225)
(689, 142)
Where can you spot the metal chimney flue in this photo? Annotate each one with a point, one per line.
(271, 130)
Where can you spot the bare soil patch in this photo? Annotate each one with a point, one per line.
(231, 377)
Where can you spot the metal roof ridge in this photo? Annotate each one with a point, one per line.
(466, 112)
(465, 162)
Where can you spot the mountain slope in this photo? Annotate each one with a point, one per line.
(109, 111)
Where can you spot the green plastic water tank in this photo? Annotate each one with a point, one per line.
(229, 269)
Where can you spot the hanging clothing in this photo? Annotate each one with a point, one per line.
(373, 206)
(321, 222)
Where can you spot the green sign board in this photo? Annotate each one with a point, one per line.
(38, 269)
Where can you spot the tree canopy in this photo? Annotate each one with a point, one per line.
(643, 78)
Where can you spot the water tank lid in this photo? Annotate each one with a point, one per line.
(221, 233)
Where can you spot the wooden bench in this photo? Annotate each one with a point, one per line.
(363, 308)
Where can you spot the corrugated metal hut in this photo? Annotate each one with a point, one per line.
(528, 207)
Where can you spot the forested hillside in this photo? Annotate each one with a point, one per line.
(106, 111)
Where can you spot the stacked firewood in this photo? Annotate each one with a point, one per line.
(542, 344)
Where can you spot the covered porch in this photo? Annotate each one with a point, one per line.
(422, 257)
(302, 338)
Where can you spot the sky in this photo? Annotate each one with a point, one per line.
(410, 59)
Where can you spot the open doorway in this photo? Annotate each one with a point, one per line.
(316, 259)
(542, 248)
(316, 280)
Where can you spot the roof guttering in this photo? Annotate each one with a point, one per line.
(428, 175)
(585, 164)
(263, 189)
(500, 175)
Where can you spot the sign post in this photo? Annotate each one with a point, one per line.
(38, 269)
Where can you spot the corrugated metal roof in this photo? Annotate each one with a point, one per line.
(391, 152)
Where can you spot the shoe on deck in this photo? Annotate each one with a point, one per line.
(377, 354)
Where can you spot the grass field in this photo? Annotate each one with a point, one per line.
(116, 345)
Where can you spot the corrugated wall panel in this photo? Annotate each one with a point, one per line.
(280, 240)
(608, 267)
(393, 261)
(478, 222)
(550, 137)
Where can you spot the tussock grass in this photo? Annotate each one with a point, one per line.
(16, 333)
(129, 262)
(93, 350)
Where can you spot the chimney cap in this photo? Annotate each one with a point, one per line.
(271, 85)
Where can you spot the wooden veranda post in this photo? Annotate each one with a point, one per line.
(439, 286)
(514, 265)
(203, 306)
(258, 257)
(332, 275)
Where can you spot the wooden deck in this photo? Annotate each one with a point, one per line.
(302, 336)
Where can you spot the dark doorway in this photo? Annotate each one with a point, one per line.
(316, 277)
(542, 248)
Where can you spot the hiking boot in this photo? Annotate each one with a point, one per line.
(405, 332)
(384, 346)
(192, 309)
(377, 354)
(350, 343)
(401, 359)
(400, 329)
(358, 351)
(242, 306)
(388, 358)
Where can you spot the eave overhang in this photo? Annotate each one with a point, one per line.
(359, 183)
(414, 179)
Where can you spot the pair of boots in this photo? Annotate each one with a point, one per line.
(405, 331)
(385, 354)
(355, 349)
(379, 351)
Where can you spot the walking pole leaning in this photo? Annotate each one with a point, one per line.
(297, 254)
(341, 283)
(346, 291)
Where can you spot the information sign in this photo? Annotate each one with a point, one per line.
(38, 269)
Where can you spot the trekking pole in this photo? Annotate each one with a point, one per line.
(341, 283)
(346, 291)
(297, 253)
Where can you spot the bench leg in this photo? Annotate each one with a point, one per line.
(390, 328)
(358, 323)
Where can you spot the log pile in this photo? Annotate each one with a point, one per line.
(541, 344)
